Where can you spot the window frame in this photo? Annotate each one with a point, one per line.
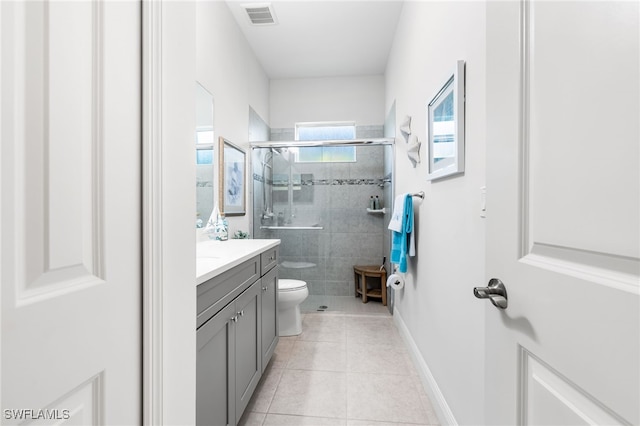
(324, 124)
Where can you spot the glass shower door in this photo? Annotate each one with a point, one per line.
(319, 212)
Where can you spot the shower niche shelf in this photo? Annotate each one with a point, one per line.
(377, 211)
(297, 265)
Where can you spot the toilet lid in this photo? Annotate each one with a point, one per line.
(288, 285)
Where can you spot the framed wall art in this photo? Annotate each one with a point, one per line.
(231, 178)
(446, 127)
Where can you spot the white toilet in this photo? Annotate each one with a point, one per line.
(291, 293)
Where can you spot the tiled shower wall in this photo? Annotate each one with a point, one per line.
(334, 196)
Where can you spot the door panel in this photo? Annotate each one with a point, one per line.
(269, 323)
(563, 205)
(56, 149)
(583, 131)
(215, 379)
(583, 126)
(551, 399)
(70, 210)
(248, 360)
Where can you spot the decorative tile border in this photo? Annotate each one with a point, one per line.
(262, 179)
(376, 181)
(311, 182)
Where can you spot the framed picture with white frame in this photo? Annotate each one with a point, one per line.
(445, 127)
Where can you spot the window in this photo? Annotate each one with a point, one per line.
(204, 155)
(323, 132)
(204, 136)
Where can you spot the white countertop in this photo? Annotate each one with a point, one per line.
(216, 257)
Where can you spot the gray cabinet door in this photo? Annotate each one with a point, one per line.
(215, 367)
(248, 359)
(269, 304)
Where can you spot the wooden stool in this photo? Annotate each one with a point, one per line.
(360, 276)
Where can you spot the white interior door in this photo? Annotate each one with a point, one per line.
(563, 214)
(70, 212)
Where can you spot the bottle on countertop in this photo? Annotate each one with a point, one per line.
(376, 203)
(372, 203)
(221, 228)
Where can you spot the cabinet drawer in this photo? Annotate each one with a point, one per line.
(216, 293)
(269, 259)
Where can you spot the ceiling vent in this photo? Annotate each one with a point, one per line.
(260, 13)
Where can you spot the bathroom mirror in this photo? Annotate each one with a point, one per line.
(205, 188)
(446, 127)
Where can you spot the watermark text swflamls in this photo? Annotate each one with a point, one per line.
(39, 414)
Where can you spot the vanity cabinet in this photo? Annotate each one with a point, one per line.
(237, 333)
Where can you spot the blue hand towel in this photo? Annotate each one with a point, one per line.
(402, 242)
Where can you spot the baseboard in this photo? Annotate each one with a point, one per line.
(444, 413)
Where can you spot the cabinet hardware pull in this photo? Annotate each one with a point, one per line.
(265, 288)
(234, 318)
(241, 313)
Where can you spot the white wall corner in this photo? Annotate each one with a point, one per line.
(444, 413)
(169, 329)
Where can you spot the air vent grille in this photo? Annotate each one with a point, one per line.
(260, 14)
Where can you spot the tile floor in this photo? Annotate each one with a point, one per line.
(349, 367)
(342, 304)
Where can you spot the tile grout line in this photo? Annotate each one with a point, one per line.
(284, 368)
(274, 394)
(346, 368)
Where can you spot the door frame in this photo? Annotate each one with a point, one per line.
(152, 231)
(1, 203)
(168, 231)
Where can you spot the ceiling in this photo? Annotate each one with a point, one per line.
(322, 38)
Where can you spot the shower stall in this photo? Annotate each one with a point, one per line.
(315, 197)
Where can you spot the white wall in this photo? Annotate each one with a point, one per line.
(227, 67)
(359, 98)
(444, 320)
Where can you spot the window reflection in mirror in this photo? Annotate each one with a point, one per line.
(204, 138)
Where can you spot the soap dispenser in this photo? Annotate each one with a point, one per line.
(222, 228)
(376, 203)
(218, 227)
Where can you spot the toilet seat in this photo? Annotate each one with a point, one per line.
(290, 285)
